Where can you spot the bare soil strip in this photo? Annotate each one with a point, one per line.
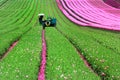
(41, 75)
(85, 60)
(9, 49)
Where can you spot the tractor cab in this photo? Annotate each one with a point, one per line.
(49, 22)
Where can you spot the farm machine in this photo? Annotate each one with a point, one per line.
(49, 22)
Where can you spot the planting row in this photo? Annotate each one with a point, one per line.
(2, 2)
(63, 60)
(23, 62)
(85, 13)
(14, 30)
(88, 41)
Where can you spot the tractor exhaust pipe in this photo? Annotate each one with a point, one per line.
(40, 17)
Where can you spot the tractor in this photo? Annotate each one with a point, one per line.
(49, 22)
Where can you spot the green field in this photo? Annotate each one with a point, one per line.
(65, 45)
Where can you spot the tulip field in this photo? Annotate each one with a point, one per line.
(84, 45)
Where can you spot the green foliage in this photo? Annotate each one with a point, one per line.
(17, 20)
(63, 61)
(23, 62)
(100, 47)
(13, 32)
(19, 23)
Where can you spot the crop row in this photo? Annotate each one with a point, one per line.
(87, 13)
(63, 60)
(100, 47)
(91, 44)
(23, 61)
(2, 2)
(14, 31)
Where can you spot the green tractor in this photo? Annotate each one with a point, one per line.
(49, 22)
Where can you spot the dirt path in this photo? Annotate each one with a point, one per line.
(9, 49)
(41, 75)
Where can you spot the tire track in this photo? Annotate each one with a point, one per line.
(9, 49)
(41, 75)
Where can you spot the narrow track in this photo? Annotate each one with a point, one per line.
(41, 75)
(9, 49)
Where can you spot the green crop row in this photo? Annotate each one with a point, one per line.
(16, 18)
(23, 62)
(100, 47)
(108, 42)
(63, 60)
(5, 25)
(8, 10)
(7, 7)
(2, 2)
(103, 59)
(8, 36)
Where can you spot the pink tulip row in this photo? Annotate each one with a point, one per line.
(94, 13)
(41, 75)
